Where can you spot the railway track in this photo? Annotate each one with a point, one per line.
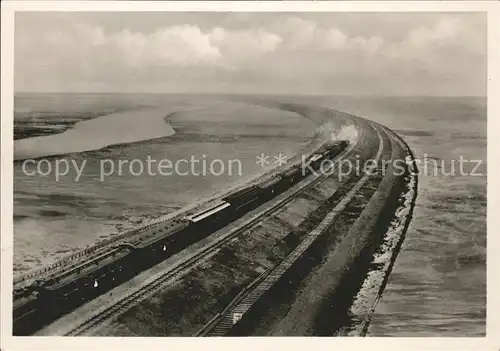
(206, 252)
(222, 322)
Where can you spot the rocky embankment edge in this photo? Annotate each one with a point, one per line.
(363, 307)
(339, 297)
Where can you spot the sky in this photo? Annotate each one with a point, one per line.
(411, 54)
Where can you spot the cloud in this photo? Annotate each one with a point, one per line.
(187, 45)
(243, 45)
(300, 34)
(447, 30)
(178, 46)
(184, 45)
(66, 53)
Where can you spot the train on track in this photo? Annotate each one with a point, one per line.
(45, 300)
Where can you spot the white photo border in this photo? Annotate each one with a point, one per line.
(490, 342)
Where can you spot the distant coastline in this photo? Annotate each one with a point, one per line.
(36, 127)
(89, 133)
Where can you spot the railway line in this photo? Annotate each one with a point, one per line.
(57, 279)
(242, 225)
(52, 307)
(222, 322)
(75, 259)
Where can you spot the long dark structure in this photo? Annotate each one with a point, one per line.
(45, 300)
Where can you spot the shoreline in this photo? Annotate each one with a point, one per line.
(112, 129)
